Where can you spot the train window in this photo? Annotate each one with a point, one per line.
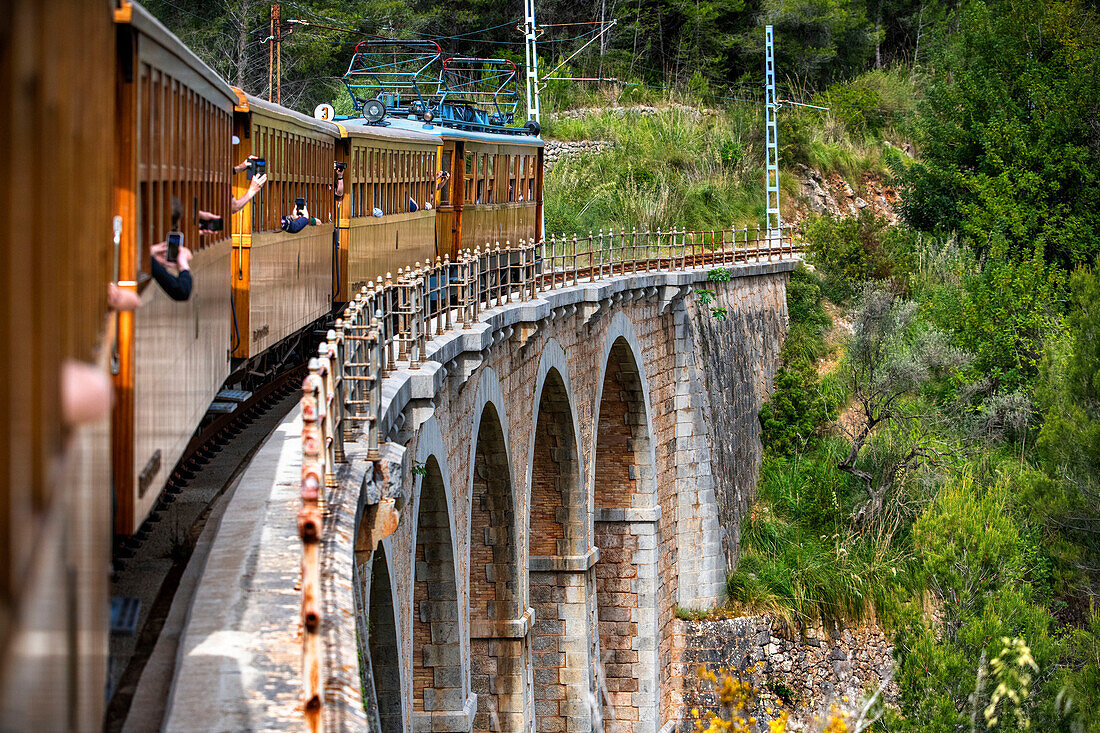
(513, 163)
(356, 175)
(370, 194)
(391, 171)
(468, 183)
(404, 193)
(490, 176)
(532, 170)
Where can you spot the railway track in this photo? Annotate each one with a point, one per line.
(148, 568)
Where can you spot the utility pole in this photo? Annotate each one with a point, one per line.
(275, 56)
(533, 110)
(771, 107)
(271, 49)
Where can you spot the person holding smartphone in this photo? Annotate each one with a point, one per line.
(257, 168)
(298, 220)
(172, 253)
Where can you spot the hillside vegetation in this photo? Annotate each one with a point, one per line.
(700, 166)
(932, 442)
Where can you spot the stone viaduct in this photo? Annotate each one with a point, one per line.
(569, 472)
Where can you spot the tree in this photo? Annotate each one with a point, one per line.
(1007, 314)
(1008, 133)
(1069, 392)
(890, 357)
(817, 41)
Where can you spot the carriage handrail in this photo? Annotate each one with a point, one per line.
(389, 323)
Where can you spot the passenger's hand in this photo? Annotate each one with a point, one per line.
(258, 182)
(242, 166)
(183, 257)
(122, 300)
(86, 394)
(159, 251)
(183, 261)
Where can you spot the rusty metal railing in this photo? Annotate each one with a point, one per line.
(390, 321)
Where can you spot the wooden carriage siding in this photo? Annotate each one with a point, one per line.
(55, 259)
(173, 138)
(280, 284)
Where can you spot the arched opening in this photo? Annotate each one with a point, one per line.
(497, 631)
(437, 656)
(626, 535)
(385, 663)
(558, 567)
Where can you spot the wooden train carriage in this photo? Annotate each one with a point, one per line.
(281, 282)
(388, 167)
(495, 190)
(55, 263)
(175, 129)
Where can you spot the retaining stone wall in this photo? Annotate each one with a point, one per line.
(557, 150)
(803, 672)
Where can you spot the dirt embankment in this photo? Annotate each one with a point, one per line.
(831, 194)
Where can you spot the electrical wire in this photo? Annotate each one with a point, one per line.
(586, 22)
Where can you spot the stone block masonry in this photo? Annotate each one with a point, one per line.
(583, 459)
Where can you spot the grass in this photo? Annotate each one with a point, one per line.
(666, 170)
(688, 166)
(799, 560)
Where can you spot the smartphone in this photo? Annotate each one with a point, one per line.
(341, 166)
(174, 239)
(211, 225)
(256, 167)
(299, 204)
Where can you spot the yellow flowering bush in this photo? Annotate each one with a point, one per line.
(738, 700)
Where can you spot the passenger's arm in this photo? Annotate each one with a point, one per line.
(253, 189)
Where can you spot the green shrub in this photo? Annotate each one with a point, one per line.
(1069, 388)
(872, 101)
(969, 542)
(793, 417)
(798, 408)
(851, 251)
(1006, 314)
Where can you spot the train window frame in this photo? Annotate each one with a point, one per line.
(180, 141)
(491, 172)
(469, 183)
(513, 165)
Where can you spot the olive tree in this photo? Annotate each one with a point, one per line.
(891, 356)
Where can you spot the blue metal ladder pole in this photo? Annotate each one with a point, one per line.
(775, 224)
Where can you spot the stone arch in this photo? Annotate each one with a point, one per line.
(621, 356)
(564, 628)
(498, 626)
(626, 519)
(438, 676)
(382, 648)
(555, 417)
